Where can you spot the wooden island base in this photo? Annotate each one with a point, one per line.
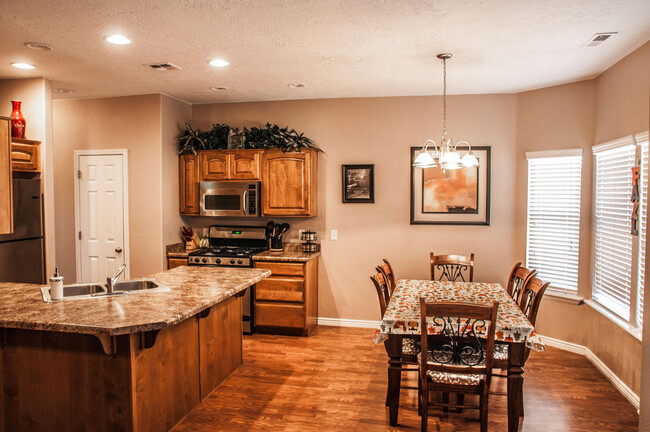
(146, 381)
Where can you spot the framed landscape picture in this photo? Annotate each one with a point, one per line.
(451, 197)
(358, 183)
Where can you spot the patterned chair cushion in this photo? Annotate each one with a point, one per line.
(501, 352)
(455, 378)
(410, 346)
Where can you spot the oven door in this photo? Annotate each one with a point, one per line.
(225, 199)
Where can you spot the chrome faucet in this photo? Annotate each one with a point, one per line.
(110, 281)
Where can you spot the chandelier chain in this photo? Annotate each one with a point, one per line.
(444, 98)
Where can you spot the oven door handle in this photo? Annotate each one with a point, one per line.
(245, 203)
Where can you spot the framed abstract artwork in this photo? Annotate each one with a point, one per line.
(451, 197)
(358, 183)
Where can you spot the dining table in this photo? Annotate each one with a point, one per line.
(402, 320)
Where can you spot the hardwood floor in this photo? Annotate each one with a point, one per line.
(335, 380)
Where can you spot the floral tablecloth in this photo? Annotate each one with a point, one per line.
(403, 312)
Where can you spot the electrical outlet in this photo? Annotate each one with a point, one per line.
(334, 234)
(300, 231)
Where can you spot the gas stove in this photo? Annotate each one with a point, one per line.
(230, 246)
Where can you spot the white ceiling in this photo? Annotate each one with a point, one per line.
(338, 48)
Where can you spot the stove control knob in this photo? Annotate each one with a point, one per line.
(238, 261)
(218, 260)
(204, 260)
(232, 261)
(196, 260)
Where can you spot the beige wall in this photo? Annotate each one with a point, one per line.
(131, 123)
(36, 94)
(580, 115)
(174, 115)
(381, 131)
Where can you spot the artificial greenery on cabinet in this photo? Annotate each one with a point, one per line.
(269, 137)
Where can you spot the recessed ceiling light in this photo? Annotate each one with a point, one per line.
(118, 39)
(23, 65)
(38, 46)
(63, 90)
(219, 88)
(297, 85)
(219, 63)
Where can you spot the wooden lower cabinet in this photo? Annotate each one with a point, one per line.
(147, 381)
(287, 301)
(176, 262)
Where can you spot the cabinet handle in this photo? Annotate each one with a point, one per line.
(118, 250)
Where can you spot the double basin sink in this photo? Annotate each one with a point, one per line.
(99, 290)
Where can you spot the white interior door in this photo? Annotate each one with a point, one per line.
(101, 216)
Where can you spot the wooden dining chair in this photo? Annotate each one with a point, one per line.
(387, 270)
(410, 346)
(458, 360)
(452, 267)
(519, 277)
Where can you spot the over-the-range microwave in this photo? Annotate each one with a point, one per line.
(224, 198)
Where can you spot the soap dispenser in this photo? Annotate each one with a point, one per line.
(56, 285)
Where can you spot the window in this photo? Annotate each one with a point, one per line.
(553, 225)
(619, 254)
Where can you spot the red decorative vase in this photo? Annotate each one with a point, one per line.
(17, 120)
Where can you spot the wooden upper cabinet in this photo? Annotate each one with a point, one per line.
(189, 184)
(215, 165)
(289, 183)
(245, 165)
(25, 155)
(6, 184)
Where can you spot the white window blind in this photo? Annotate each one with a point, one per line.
(553, 225)
(643, 217)
(613, 243)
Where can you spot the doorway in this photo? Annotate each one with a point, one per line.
(101, 214)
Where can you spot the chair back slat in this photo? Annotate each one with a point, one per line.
(519, 277)
(386, 270)
(464, 346)
(531, 298)
(452, 268)
(382, 291)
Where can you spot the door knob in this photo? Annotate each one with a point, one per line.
(118, 250)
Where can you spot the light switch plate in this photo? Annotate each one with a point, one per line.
(334, 234)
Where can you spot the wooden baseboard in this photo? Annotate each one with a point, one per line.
(598, 363)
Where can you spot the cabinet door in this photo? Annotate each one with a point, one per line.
(6, 187)
(287, 184)
(176, 262)
(245, 165)
(215, 165)
(25, 155)
(189, 184)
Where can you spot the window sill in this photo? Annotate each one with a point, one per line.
(564, 297)
(632, 331)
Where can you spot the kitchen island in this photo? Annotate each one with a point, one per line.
(136, 362)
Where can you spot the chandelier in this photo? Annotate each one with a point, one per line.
(446, 154)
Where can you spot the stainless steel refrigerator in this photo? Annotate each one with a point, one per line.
(21, 253)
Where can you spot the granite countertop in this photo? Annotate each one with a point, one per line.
(286, 255)
(177, 250)
(193, 289)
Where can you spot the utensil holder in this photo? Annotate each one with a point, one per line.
(276, 244)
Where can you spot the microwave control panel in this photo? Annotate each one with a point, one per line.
(253, 190)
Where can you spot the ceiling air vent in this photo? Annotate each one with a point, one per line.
(166, 66)
(598, 38)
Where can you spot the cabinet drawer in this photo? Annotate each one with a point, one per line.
(25, 157)
(280, 289)
(281, 268)
(176, 262)
(279, 315)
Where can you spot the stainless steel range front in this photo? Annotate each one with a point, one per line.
(233, 246)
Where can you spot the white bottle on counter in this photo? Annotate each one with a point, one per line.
(56, 286)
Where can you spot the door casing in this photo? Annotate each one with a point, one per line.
(125, 205)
